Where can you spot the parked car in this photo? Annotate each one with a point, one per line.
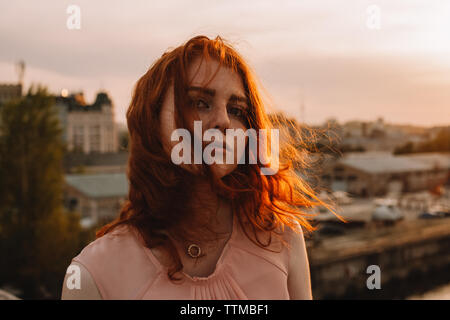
(430, 215)
(387, 210)
(436, 211)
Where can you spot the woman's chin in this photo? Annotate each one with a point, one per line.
(221, 170)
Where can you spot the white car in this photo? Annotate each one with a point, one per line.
(386, 210)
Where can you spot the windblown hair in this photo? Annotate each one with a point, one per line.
(160, 192)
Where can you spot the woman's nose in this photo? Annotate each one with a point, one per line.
(220, 119)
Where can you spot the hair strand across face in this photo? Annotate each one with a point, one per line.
(159, 191)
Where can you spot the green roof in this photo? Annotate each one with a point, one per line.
(99, 185)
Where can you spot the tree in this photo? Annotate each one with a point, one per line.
(406, 148)
(441, 143)
(123, 140)
(38, 237)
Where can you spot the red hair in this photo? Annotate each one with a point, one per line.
(159, 190)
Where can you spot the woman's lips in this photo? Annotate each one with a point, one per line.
(219, 146)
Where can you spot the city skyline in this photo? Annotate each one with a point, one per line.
(329, 60)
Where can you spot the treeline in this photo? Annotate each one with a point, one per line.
(441, 143)
(38, 236)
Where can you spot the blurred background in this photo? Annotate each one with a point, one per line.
(365, 83)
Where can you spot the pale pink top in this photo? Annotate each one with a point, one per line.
(123, 268)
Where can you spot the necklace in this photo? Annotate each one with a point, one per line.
(194, 250)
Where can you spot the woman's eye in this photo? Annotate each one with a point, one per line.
(199, 103)
(237, 112)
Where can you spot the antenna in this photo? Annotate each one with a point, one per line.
(20, 69)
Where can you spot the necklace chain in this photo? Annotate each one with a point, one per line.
(194, 250)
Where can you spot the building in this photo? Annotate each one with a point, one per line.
(9, 92)
(88, 128)
(96, 162)
(98, 197)
(378, 173)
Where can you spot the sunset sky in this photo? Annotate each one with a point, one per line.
(320, 52)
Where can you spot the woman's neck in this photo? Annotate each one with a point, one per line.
(207, 203)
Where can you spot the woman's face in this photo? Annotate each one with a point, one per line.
(220, 104)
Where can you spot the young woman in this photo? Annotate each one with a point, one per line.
(197, 230)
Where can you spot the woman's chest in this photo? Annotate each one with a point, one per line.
(202, 266)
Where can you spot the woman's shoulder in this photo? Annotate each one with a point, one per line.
(118, 263)
(110, 246)
(273, 247)
(280, 237)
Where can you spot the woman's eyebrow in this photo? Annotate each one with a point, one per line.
(236, 98)
(212, 93)
(207, 91)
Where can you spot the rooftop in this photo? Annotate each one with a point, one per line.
(99, 185)
(388, 163)
(95, 159)
(76, 102)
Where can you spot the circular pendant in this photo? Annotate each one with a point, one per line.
(194, 250)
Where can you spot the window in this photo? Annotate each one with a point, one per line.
(94, 138)
(78, 137)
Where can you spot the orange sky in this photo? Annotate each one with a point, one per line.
(319, 52)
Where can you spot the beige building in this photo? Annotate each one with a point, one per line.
(376, 174)
(88, 128)
(96, 162)
(97, 197)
